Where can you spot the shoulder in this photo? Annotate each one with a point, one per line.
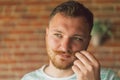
(108, 74)
(30, 76)
(34, 75)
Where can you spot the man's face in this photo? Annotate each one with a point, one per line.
(65, 36)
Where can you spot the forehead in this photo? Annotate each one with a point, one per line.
(74, 24)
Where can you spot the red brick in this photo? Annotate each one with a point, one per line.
(24, 24)
(7, 76)
(17, 69)
(37, 9)
(10, 39)
(29, 17)
(8, 10)
(22, 35)
(112, 44)
(7, 61)
(108, 8)
(36, 2)
(4, 69)
(107, 15)
(9, 24)
(22, 32)
(116, 23)
(21, 9)
(9, 3)
(20, 54)
(107, 1)
(118, 8)
(38, 24)
(6, 18)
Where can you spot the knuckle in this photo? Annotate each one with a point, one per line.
(86, 72)
(97, 65)
(76, 61)
(91, 68)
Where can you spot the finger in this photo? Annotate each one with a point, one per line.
(79, 64)
(84, 64)
(83, 59)
(91, 58)
(82, 68)
(76, 70)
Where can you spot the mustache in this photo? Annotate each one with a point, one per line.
(63, 52)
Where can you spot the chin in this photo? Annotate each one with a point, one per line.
(62, 67)
(62, 64)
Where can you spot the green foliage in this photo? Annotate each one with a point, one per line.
(101, 28)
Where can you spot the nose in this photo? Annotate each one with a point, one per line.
(66, 45)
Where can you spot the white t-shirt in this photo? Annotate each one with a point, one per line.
(39, 74)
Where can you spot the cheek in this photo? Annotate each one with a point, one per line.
(53, 43)
(78, 47)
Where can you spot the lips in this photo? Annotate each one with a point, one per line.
(65, 56)
(62, 54)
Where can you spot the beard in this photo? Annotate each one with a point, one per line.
(60, 62)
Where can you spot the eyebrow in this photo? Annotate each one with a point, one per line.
(57, 31)
(81, 36)
(78, 35)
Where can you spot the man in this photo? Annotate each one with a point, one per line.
(67, 39)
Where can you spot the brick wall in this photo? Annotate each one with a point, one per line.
(22, 31)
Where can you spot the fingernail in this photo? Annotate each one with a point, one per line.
(77, 53)
(82, 51)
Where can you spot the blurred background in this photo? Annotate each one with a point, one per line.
(22, 34)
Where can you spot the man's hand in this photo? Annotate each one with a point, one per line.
(86, 66)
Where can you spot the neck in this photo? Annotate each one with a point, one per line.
(51, 70)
